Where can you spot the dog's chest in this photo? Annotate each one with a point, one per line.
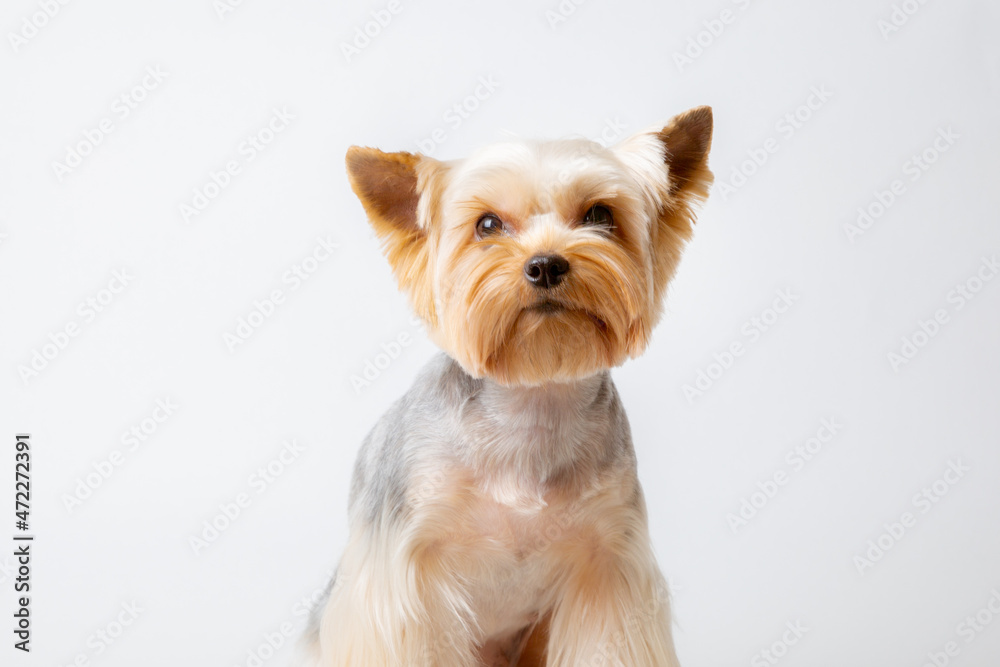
(513, 554)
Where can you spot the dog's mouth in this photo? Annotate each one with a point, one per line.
(546, 306)
(551, 307)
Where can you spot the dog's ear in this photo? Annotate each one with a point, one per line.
(671, 163)
(400, 192)
(686, 139)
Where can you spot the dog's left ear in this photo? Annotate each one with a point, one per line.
(687, 138)
(400, 192)
(672, 164)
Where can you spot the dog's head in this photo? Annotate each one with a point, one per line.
(540, 261)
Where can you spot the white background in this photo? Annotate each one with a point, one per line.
(787, 228)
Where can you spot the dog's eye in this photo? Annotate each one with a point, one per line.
(489, 225)
(599, 216)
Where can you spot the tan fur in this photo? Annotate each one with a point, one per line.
(471, 292)
(523, 543)
(687, 139)
(390, 186)
(575, 563)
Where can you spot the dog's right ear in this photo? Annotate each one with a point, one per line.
(400, 192)
(386, 184)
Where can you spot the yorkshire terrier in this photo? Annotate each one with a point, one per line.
(496, 517)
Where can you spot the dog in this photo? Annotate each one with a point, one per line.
(496, 517)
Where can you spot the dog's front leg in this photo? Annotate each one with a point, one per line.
(393, 606)
(614, 606)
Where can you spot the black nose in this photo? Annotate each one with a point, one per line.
(545, 270)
